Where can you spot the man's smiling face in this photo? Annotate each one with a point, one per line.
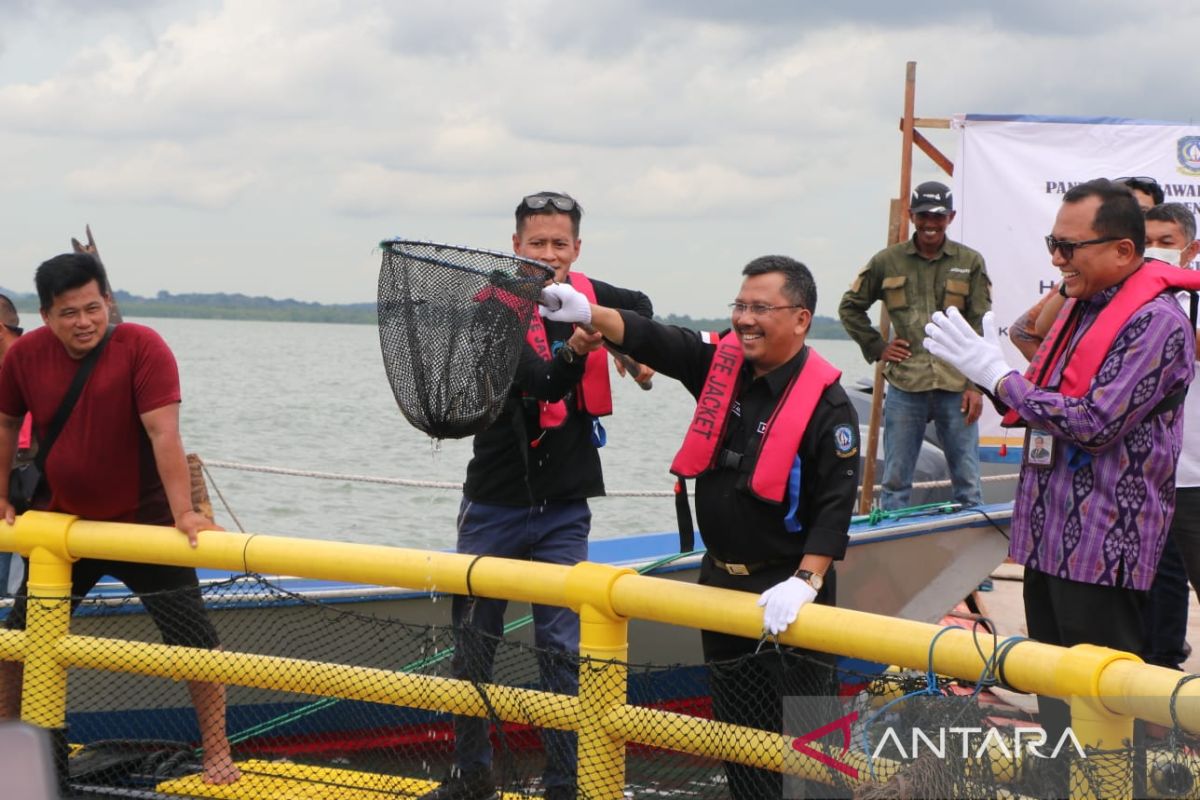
(78, 318)
(769, 338)
(931, 229)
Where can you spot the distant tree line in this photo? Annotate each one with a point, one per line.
(222, 305)
(822, 327)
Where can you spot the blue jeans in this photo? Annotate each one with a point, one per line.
(555, 533)
(905, 415)
(5, 567)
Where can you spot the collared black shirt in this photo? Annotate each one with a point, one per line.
(738, 527)
(507, 468)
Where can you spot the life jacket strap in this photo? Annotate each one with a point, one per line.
(727, 459)
(683, 516)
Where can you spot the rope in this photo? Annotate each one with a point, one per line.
(457, 486)
(335, 476)
(319, 705)
(228, 509)
(931, 688)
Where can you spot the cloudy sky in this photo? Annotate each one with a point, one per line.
(266, 146)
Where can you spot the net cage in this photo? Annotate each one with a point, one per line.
(451, 323)
(137, 735)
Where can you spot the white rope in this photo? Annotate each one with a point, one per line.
(335, 476)
(456, 486)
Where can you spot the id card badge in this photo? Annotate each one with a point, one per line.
(1039, 449)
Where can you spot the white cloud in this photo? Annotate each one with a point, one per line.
(162, 172)
(690, 133)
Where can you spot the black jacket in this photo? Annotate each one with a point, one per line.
(507, 468)
(738, 527)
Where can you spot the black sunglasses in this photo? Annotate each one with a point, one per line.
(17, 329)
(1134, 180)
(1144, 184)
(1067, 248)
(537, 202)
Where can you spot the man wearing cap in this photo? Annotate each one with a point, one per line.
(914, 279)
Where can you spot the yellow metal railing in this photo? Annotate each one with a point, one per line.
(1106, 689)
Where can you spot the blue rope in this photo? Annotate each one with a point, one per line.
(930, 689)
(992, 666)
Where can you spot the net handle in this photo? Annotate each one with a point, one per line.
(632, 367)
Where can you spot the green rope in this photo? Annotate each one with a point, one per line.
(326, 702)
(878, 515)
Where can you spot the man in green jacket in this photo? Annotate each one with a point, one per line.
(915, 278)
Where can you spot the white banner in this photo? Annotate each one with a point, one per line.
(1009, 179)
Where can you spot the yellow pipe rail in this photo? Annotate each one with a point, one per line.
(1105, 688)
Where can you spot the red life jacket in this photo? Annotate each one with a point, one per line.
(594, 393)
(1148, 282)
(785, 427)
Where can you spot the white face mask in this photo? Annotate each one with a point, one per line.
(1165, 254)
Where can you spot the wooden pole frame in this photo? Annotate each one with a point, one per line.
(898, 232)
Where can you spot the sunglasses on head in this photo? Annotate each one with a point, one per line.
(536, 202)
(1135, 180)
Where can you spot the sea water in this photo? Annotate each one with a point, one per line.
(314, 397)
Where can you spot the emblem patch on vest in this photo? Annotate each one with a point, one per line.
(845, 442)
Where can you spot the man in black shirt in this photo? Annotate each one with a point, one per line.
(527, 487)
(761, 534)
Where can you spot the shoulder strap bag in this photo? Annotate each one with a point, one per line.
(26, 482)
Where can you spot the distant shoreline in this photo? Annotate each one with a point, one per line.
(267, 309)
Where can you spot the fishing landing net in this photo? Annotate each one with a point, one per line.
(451, 324)
(139, 734)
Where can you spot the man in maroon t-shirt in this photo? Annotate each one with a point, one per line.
(119, 457)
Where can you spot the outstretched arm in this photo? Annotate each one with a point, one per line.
(610, 323)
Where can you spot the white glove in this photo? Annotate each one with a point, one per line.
(561, 302)
(977, 357)
(783, 601)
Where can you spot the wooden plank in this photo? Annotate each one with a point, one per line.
(928, 148)
(897, 232)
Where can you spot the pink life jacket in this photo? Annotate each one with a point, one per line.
(785, 427)
(25, 437)
(1148, 282)
(594, 393)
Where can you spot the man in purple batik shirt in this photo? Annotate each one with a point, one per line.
(1090, 521)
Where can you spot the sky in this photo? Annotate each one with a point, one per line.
(267, 146)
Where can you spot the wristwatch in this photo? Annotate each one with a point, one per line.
(811, 578)
(568, 354)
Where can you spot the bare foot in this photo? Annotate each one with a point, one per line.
(220, 769)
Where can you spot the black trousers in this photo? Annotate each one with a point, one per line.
(749, 689)
(1185, 530)
(1065, 612)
